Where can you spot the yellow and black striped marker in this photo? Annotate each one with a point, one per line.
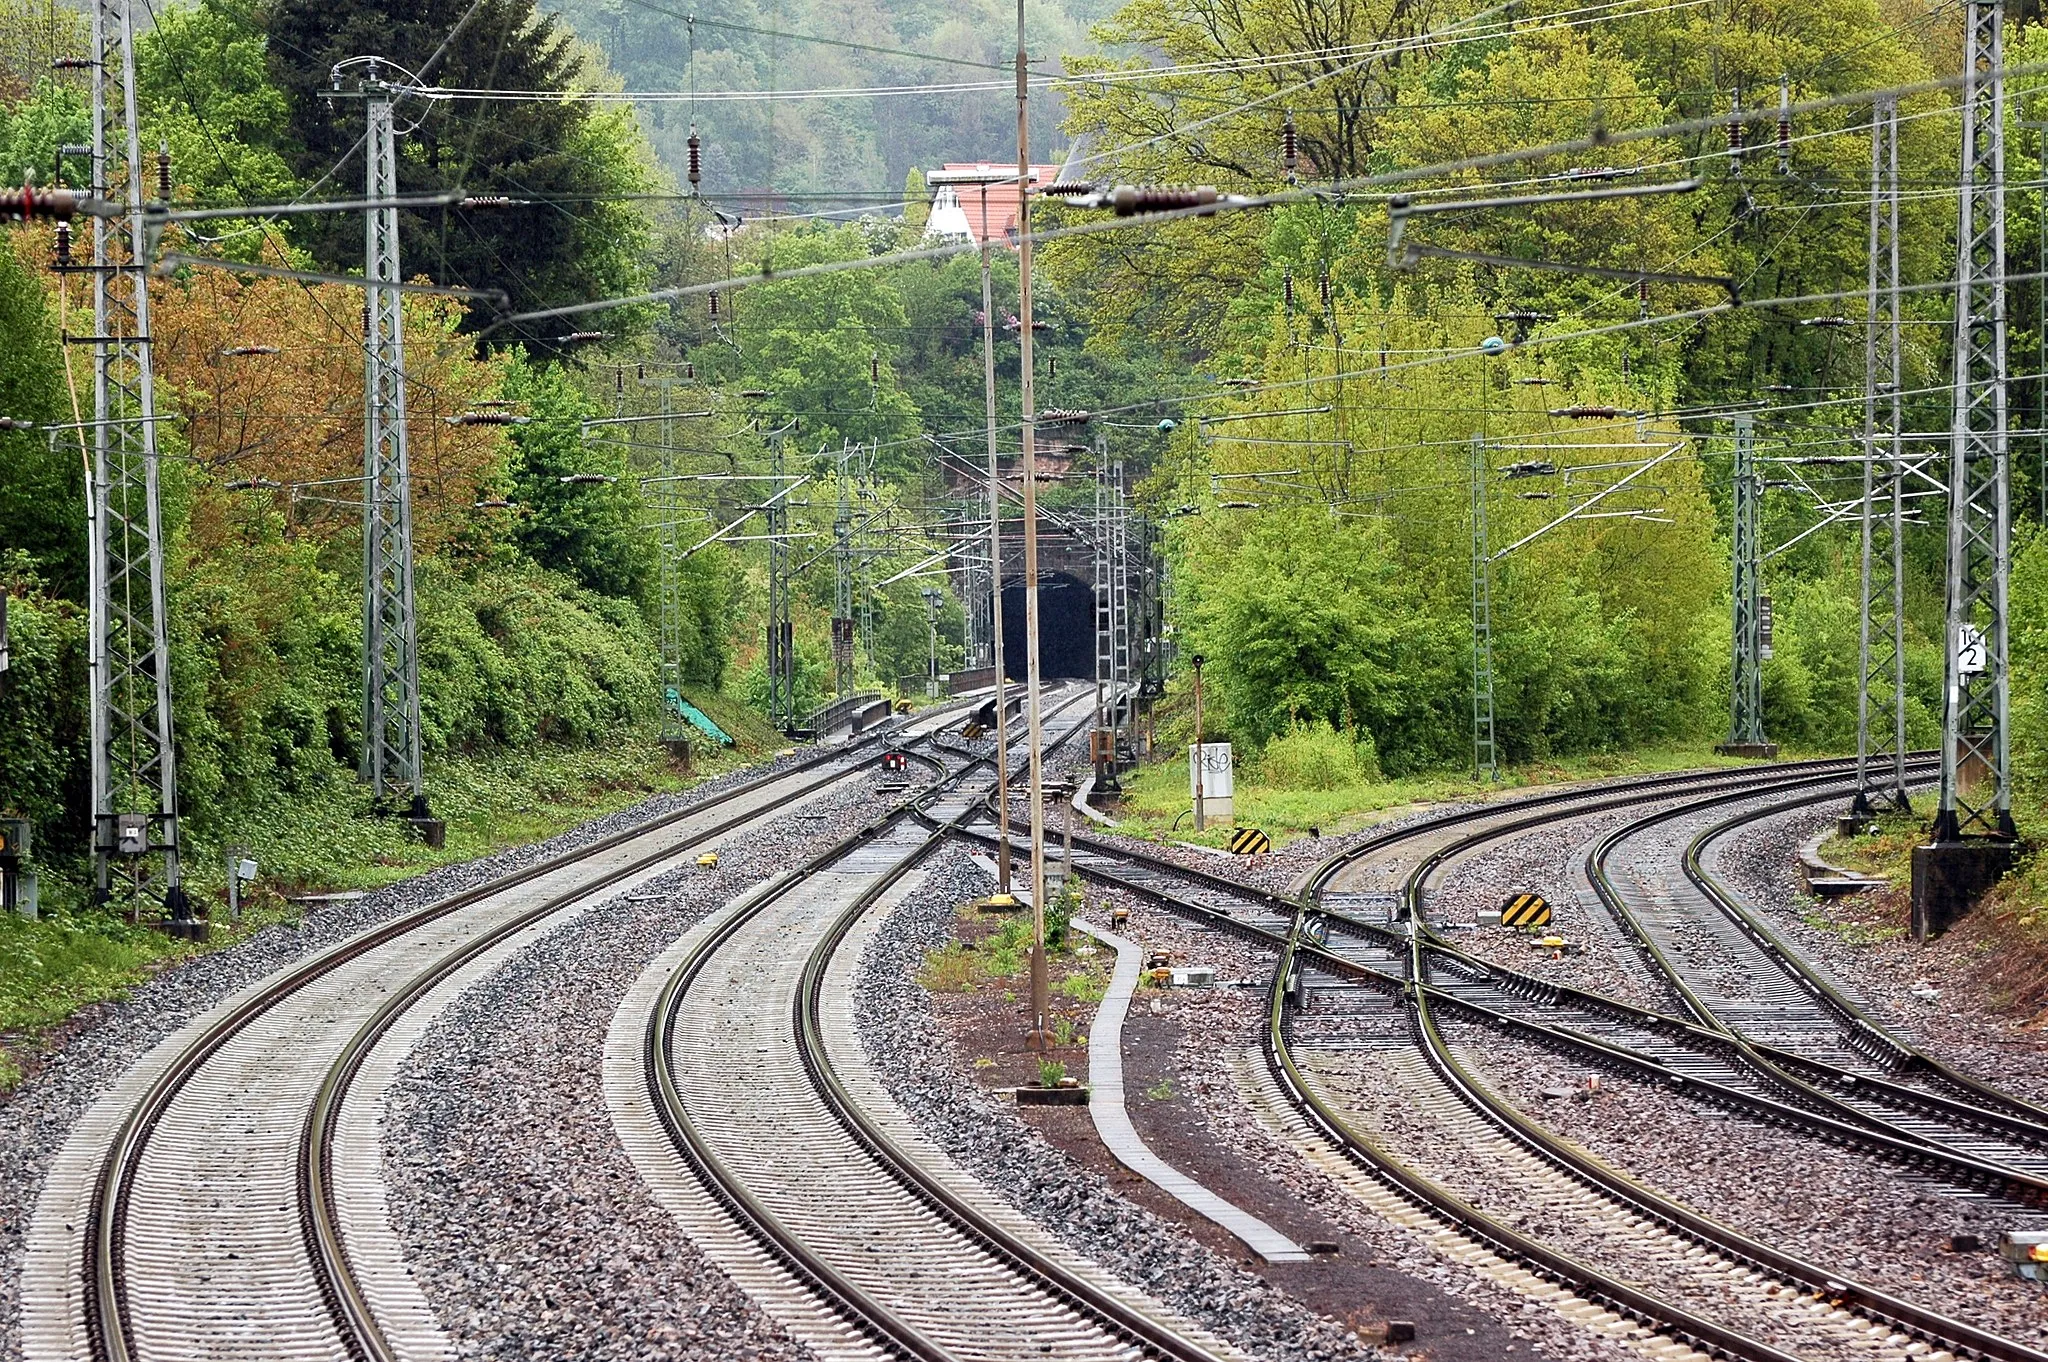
(973, 731)
(1525, 910)
(1250, 842)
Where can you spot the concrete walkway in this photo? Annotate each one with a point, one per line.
(1113, 1122)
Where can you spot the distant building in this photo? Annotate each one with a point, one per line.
(977, 200)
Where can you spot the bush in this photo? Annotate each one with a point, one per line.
(1315, 756)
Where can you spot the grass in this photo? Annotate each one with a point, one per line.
(2007, 935)
(949, 969)
(1084, 986)
(325, 840)
(1156, 795)
(1888, 851)
(1162, 1091)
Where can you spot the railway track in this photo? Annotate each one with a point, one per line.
(741, 1096)
(1735, 974)
(224, 1199)
(1640, 1261)
(1365, 943)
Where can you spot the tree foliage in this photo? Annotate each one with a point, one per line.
(562, 238)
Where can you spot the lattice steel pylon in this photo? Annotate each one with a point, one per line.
(1485, 753)
(668, 504)
(1099, 563)
(842, 593)
(1746, 725)
(1120, 591)
(781, 632)
(134, 762)
(391, 657)
(1976, 790)
(1881, 644)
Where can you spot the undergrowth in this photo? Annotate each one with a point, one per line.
(1309, 783)
(325, 840)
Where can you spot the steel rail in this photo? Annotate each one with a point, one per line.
(1826, 1117)
(1672, 1214)
(318, 1213)
(1081, 1295)
(103, 1270)
(1582, 1278)
(2013, 1115)
(857, 1305)
(1675, 1217)
(1858, 1031)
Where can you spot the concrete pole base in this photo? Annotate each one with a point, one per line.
(1761, 751)
(1950, 877)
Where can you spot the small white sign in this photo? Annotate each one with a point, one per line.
(1213, 766)
(1973, 656)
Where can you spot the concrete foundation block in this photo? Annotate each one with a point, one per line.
(1950, 877)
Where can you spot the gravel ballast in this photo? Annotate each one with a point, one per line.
(104, 1040)
(923, 1071)
(1841, 1211)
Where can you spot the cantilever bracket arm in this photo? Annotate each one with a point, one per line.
(1579, 512)
(1406, 255)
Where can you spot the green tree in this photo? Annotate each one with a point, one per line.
(591, 532)
(563, 239)
(207, 90)
(42, 494)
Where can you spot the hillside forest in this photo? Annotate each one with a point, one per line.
(1307, 419)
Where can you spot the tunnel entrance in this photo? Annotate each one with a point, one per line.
(1066, 628)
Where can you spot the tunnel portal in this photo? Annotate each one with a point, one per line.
(1066, 627)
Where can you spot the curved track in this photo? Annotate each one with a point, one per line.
(1427, 1127)
(737, 1065)
(223, 1199)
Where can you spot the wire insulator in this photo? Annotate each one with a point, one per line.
(163, 172)
(1323, 285)
(1784, 126)
(696, 158)
(1290, 146)
(1735, 132)
(875, 370)
(1129, 199)
(31, 202)
(689, 370)
(1066, 189)
(1052, 366)
(61, 251)
(1287, 288)
(713, 296)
